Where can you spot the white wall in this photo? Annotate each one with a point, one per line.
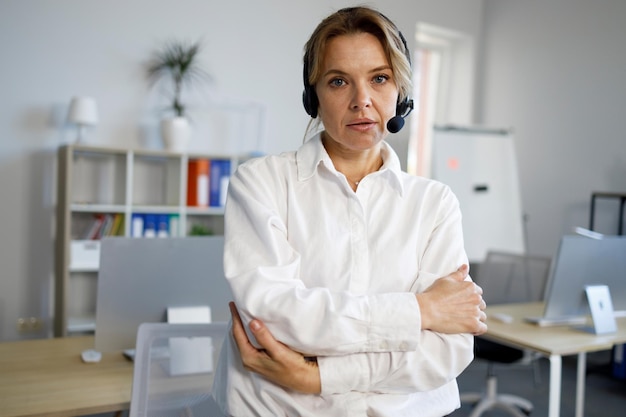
(556, 72)
(52, 50)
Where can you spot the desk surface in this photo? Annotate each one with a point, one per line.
(59, 383)
(556, 340)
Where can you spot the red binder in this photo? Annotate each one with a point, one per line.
(198, 183)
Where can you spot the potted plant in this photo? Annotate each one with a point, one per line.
(177, 64)
(200, 230)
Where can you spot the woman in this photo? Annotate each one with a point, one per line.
(333, 253)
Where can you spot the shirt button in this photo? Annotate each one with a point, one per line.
(384, 345)
(404, 346)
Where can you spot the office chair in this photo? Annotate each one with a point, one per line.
(174, 369)
(506, 278)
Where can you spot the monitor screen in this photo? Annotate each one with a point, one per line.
(140, 278)
(582, 261)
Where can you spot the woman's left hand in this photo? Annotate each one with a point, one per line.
(275, 361)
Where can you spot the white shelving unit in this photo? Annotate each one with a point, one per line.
(97, 180)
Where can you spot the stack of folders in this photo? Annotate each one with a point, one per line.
(154, 225)
(207, 182)
(104, 225)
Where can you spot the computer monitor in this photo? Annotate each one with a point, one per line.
(140, 278)
(582, 261)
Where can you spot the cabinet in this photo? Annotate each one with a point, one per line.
(101, 192)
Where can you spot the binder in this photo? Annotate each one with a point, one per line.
(174, 220)
(163, 225)
(136, 229)
(198, 183)
(118, 225)
(149, 225)
(218, 178)
(94, 230)
(107, 224)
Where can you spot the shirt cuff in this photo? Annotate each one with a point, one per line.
(342, 374)
(395, 323)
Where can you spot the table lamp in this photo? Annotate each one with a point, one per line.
(83, 112)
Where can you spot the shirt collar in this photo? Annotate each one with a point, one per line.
(312, 154)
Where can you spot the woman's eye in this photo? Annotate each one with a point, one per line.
(379, 79)
(337, 82)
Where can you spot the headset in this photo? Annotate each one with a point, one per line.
(311, 102)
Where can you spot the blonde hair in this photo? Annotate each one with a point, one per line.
(353, 20)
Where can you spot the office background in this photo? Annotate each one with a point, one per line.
(553, 70)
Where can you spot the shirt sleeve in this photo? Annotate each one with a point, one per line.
(438, 358)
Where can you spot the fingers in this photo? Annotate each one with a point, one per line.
(453, 304)
(251, 357)
(481, 329)
(482, 318)
(237, 324)
(238, 331)
(233, 312)
(461, 273)
(261, 333)
(482, 322)
(275, 361)
(265, 338)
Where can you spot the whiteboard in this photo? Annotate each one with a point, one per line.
(480, 167)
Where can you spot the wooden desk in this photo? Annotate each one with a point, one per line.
(553, 342)
(47, 377)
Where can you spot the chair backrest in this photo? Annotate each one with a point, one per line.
(174, 369)
(513, 278)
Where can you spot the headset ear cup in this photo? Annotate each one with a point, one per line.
(314, 103)
(309, 100)
(306, 102)
(309, 97)
(402, 107)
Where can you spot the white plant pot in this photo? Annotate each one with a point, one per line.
(176, 132)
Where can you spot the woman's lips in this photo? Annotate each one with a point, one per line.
(362, 124)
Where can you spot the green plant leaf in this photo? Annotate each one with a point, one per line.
(177, 62)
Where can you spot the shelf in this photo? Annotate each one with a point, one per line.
(83, 268)
(81, 324)
(120, 192)
(205, 211)
(98, 176)
(156, 180)
(155, 209)
(97, 208)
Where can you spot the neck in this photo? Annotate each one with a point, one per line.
(354, 164)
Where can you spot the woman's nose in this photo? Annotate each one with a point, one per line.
(361, 97)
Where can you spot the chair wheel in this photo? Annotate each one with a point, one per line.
(526, 411)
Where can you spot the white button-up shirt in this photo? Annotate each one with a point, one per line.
(333, 274)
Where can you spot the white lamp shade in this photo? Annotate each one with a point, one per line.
(83, 111)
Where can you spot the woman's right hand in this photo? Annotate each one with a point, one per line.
(275, 361)
(453, 305)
